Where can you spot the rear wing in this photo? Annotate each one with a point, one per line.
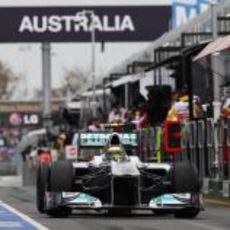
(100, 139)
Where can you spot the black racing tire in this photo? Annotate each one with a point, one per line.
(41, 186)
(185, 178)
(187, 213)
(61, 176)
(60, 212)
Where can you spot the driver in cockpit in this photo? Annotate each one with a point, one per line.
(115, 153)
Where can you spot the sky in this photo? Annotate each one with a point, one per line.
(25, 59)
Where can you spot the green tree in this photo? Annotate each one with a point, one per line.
(75, 80)
(8, 81)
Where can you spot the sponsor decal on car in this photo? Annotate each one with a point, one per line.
(170, 199)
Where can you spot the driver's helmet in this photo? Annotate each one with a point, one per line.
(115, 153)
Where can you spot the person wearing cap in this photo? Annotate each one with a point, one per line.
(179, 110)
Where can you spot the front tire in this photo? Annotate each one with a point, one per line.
(185, 178)
(187, 213)
(61, 176)
(41, 186)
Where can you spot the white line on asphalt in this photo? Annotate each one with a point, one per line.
(10, 224)
(24, 217)
(204, 226)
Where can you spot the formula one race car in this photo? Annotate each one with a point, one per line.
(116, 181)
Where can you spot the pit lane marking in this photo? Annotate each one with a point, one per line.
(16, 220)
(10, 224)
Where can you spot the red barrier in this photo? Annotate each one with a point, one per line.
(172, 136)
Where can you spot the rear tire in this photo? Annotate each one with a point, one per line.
(61, 176)
(41, 186)
(187, 213)
(185, 178)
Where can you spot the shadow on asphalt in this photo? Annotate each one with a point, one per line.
(134, 216)
(104, 215)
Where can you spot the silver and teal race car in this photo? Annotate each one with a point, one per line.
(116, 181)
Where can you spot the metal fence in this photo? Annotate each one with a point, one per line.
(204, 143)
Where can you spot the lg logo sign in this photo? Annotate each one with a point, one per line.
(31, 119)
(18, 119)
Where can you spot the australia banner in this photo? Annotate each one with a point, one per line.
(74, 24)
